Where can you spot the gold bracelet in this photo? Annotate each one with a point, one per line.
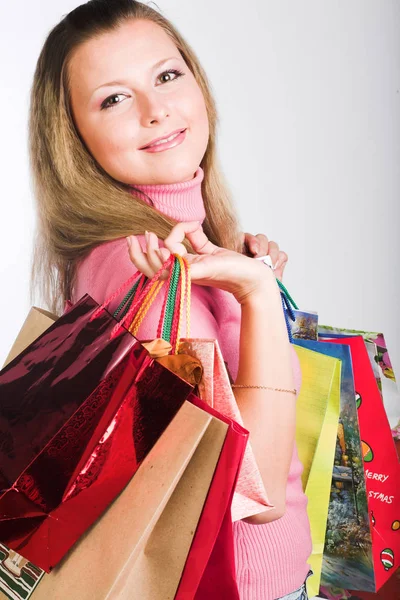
(264, 387)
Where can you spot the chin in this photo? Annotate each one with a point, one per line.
(178, 176)
(176, 173)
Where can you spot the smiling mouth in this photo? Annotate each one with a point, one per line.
(164, 141)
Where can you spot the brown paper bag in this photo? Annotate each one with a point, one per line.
(36, 323)
(138, 548)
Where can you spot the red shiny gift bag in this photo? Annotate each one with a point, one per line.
(209, 572)
(77, 417)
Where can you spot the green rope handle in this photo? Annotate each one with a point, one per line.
(171, 302)
(126, 303)
(288, 296)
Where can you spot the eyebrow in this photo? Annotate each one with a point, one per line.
(156, 66)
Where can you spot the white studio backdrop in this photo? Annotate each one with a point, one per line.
(309, 101)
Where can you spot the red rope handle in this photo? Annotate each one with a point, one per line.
(175, 320)
(162, 316)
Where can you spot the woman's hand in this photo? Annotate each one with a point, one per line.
(259, 245)
(211, 266)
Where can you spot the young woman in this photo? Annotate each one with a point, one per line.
(122, 139)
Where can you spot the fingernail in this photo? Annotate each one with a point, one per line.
(129, 241)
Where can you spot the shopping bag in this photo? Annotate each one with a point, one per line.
(347, 559)
(316, 427)
(18, 576)
(382, 367)
(216, 578)
(389, 591)
(36, 323)
(250, 497)
(64, 412)
(138, 548)
(380, 461)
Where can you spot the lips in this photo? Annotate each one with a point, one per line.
(163, 140)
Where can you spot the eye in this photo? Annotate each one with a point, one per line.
(170, 75)
(110, 101)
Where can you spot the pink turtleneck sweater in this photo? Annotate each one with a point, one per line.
(271, 559)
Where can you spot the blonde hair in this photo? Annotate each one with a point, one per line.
(79, 204)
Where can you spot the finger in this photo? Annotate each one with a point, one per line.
(193, 231)
(200, 242)
(280, 265)
(153, 256)
(178, 233)
(263, 242)
(273, 251)
(164, 254)
(252, 244)
(138, 257)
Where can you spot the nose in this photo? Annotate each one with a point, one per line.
(152, 109)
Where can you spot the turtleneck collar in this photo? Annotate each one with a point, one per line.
(179, 201)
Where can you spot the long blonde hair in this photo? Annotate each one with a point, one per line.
(79, 205)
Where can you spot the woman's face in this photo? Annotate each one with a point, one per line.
(129, 88)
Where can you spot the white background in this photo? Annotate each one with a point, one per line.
(309, 100)
(309, 103)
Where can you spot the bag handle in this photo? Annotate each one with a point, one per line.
(288, 304)
(182, 294)
(286, 293)
(136, 303)
(130, 296)
(178, 292)
(137, 298)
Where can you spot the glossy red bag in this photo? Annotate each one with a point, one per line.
(77, 417)
(209, 572)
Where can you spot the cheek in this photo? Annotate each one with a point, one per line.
(197, 115)
(107, 143)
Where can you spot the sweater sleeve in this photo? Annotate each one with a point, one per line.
(108, 266)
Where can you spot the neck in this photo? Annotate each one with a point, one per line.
(179, 201)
